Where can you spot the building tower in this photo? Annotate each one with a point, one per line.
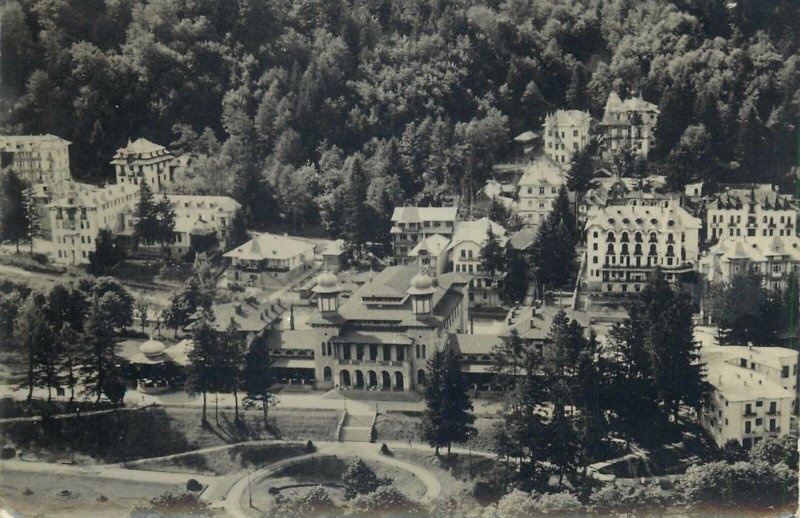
(421, 291)
(327, 290)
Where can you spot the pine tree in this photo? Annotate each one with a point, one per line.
(238, 234)
(203, 358)
(106, 254)
(581, 172)
(146, 228)
(72, 347)
(33, 218)
(433, 426)
(356, 213)
(553, 255)
(98, 335)
(456, 403)
(232, 369)
(13, 220)
(32, 335)
(492, 255)
(259, 376)
(165, 214)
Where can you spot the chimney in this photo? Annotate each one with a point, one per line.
(532, 324)
(237, 307)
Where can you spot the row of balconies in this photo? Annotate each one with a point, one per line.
(382, 363)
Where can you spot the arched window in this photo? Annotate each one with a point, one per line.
(322, 347)
(420, 377)
(424, 352)
(670, 239)
(637, 249)
(326, 374)
(653, 237)
(670, 251)
(610, 250)
(624, 249)
(652, 250)
(624, 238)
(637, 237)
(610, 238)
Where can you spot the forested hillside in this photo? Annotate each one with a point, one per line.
(322, 104)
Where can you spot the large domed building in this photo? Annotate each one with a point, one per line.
(381, 336)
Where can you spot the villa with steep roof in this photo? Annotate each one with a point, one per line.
(142, 160)
(431, 253)
(538, 189)
(269, 260)
(465, 255)
(410, 225)
(631, 122)
(776, 259)
(625, 243)
(565, 132)
(751, 211)
(380, 337)
(36, 158)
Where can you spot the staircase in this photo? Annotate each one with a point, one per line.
(357, 428)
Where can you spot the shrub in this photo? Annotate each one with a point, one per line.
(360, 479)
(8, 453)
(385, 449)
(310, 447)
(385, 500)
(193, 485)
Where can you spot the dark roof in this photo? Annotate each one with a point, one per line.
(247, 316)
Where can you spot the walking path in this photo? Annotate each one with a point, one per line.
(232, 504)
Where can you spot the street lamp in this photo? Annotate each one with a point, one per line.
(250, 488)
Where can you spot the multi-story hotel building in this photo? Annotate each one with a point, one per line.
(625, 243)
(613, 190)
(381, 336)
(36, 158)
(751, 211)
(774, 258)
(538, 189)
(410, 225)
(143, 160)
(465, 254)
(754, 393)
(565, 132)
(269, 260)
(630, 122)
(77, 216)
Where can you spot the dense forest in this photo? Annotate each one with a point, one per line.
(308, 109)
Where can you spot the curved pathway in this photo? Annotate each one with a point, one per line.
(233, 500)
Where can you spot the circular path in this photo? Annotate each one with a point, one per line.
(370, 451)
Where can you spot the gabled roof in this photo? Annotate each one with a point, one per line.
(420, 214)
(755, 248)
(534, 323)
(248, 317)
(432, 245)
(470, 344)
(270, 246)
(477, 232)
(522, 239)
(185, 202)
(543, 171)
(568, 118)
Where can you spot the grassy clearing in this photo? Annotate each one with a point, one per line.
(227, 461)
(405, 426)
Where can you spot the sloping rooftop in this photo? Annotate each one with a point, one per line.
(432, 245)
(292, 339)
(12, 143)
(470, 344)
(740, 384)
(522, 239)
(391, 285)
(184, 202)
(270, 246)
(420, 214)
(477, 231)
(570, 118)
(534, 323)
(763, 195)
(755, 248)
(622, 217)
(543, 171)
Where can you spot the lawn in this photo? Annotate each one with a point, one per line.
(226, 461)
(156, 432)
(405, 426)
